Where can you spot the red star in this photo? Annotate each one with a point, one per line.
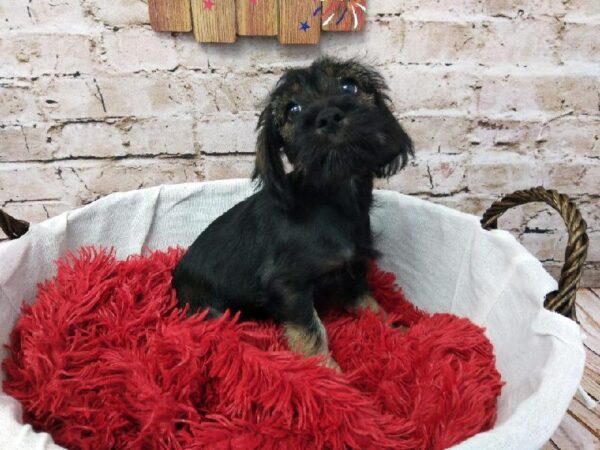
(253, 2)
(208, 4)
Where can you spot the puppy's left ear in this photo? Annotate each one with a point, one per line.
(269, 167)
(395, 153)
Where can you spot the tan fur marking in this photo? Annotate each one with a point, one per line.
(367, 301)
(303, 341)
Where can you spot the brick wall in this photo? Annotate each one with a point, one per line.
(497, 94)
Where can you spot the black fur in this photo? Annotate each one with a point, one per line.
(306, 235)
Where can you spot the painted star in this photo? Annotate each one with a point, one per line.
(208, 4)
(304, 26)
(253, 2)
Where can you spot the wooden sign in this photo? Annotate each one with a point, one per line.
(170, 15)
(344, 15)
(257, 17)
(214, 20)
(299, 21)
(294, 21)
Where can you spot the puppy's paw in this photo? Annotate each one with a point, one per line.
(367, 301)
(331, 363)
(401, 328)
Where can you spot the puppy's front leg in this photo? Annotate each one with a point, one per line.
(310, 339)
(304, 330)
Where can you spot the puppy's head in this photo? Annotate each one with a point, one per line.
(333, 122)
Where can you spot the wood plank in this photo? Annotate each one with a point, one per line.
(214, 20)
(592, 334)
(344, 15)
(592, 361)
(299, 22)
(588, 313)
(589, 297)
(170, 15)
(591, 383)
(257, 17)
(590, 418)
(571, 435)
(580, 428)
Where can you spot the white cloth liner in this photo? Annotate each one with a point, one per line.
(442, 258)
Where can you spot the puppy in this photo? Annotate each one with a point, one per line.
(305, 237)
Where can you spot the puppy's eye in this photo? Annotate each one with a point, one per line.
(349, 87)
(293, 110)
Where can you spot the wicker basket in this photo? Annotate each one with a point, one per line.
(532, 405)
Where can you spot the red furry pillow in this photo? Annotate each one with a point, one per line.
(103, 359)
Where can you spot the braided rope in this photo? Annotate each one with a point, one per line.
(563, 299)
(12, 227)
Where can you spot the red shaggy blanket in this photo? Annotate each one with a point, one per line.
(105, 360)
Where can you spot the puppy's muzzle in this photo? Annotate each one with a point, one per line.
(329, 119)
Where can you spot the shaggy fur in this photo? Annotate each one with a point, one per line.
(104, 359)
(305, 238)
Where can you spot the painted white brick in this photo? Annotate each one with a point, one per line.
(141, 95)
(66, 16)
(34, 182)
(541, 94)
(572, 177)
(522, 41)
(234, 94)
(581, 42)
(91, 181)
(31, 55)
(135, 49)
(227, 135)
(226, 167)
(67, 98)
(438, 134)
(502, 172)
(440, 174)
(570, 136)
(415, 88)
(524, 8)
(18, 103)
(513, 135)
(24, 143)
(585, 7)
(413, 179)
(164, 136)
(118, 13)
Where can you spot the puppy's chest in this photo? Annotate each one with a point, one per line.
(342, 239)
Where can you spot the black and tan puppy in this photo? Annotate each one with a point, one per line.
(305, 238)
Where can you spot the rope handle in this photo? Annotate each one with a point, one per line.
(12, 227)
(562, 300)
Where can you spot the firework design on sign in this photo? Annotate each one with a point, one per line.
(337, 11)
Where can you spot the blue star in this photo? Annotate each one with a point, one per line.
(304, 26)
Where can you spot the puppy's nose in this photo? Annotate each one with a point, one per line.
(329, 117)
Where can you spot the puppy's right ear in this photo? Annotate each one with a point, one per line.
(269, 168)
